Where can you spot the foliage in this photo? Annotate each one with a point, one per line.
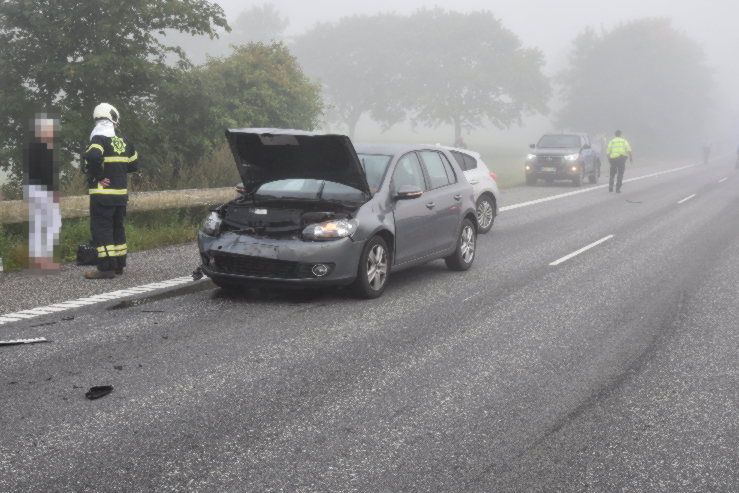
(438, 67)
(65, 56)
(357, 61)
(643, 77)
(260, 23)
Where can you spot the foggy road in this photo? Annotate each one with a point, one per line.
(591, 347)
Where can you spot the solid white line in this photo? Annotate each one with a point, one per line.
(686, 198)
(78, 303)
(590, 189)
(723, 179)
(583, 249)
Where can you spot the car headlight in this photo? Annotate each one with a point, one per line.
(212, 224)
(572, 157)
(331, 230)
(530, 157)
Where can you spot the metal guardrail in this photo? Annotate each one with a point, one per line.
(16, 211)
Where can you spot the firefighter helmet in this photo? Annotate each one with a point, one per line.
(107, 111)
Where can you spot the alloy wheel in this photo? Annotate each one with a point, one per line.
(484, 214)
(377, 267)
(467, 246)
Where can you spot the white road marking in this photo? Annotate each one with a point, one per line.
(23, 341)
(723, 179)
(583, 249)
(89, 300)
(585, 190)
(686, 198)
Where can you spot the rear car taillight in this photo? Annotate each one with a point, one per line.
(493, 176)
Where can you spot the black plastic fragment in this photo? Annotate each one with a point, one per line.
(98, 392)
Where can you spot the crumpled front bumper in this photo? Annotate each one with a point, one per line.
(267, 261)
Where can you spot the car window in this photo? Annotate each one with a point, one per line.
(408, 172)
(435, 168)
(470, 162)
(459, 157)
(559, 141)
(450, 174)
(374, 166)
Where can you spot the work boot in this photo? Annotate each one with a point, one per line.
(100, 274)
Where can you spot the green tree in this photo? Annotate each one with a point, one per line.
(466, 69)
(259, 85)
(65, 56)
(259, 23)
(357, 62)
(643, 77)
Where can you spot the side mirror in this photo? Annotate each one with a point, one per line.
(406, 192)
(532, 146)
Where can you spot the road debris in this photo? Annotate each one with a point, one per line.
(98, 392)
(14, 342)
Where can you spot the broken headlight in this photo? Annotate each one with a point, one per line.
(212, 224)
(330, 230)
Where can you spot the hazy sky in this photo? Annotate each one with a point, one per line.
(547, 24)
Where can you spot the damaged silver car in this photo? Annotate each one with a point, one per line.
(316, 211)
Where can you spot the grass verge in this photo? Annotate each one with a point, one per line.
(144, 231)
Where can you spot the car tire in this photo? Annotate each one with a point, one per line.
(464, 254)
(373, 269)
(485, 211)
(531, 180)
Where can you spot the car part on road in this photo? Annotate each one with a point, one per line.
(15, 342)
(98, 392)
(464, 255)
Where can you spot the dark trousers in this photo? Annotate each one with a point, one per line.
(618, 165)
(108, 232)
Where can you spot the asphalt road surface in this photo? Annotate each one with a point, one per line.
(593, 346)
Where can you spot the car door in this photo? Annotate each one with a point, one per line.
(443, 198)
(412, 216)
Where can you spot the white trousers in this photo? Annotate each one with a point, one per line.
(44, 221)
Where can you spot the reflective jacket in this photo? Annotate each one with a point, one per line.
(618, 147)
(113, 158)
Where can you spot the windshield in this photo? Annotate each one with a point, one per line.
(308, 189)
(374, 166)
(559, 141)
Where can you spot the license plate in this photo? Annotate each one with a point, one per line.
(549, 169)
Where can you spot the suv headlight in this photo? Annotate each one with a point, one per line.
(530, 157)
(572, 157)
(331, 230)
(212, 224)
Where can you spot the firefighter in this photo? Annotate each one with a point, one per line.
(618, 151)
(109, 158)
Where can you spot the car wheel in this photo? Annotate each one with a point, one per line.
(464, 254)
(531, 180)
(373, 270)
(485, 213)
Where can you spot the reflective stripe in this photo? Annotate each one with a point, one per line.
(109, 191)
(134, 157)
(618, 147)
(96, 146)
(116, 159)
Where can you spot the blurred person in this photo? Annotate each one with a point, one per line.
(619, 150)
(109, 158)
(41, 193)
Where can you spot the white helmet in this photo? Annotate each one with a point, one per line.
(107, 111)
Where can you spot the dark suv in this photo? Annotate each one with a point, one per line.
(563, 157)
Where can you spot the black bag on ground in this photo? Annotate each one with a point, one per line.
(87, 254)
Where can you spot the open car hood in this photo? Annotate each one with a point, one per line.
(268, 154)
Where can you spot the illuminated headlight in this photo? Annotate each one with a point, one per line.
(572, 157)
(574, 168)
(530, 157)
(330, 230)
(528, 168)
(212, 224)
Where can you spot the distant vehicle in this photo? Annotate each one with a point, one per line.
(484, 184)
(563, 157)
(315, 210)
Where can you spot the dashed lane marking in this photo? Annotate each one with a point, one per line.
(585, 190)
(583, 249)
(90, 300)
(686, 198)
(723, 179)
